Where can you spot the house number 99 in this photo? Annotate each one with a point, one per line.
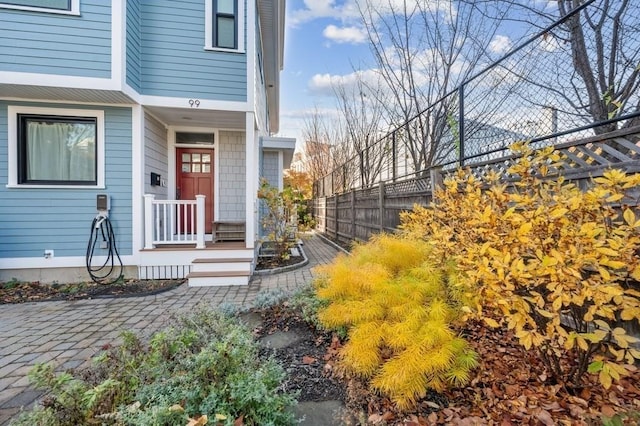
(194, 103)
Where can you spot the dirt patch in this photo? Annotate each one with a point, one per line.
(307, 360)
(268, 262)
(21, 292)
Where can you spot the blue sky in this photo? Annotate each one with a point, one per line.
(324, 42)
(322, 39)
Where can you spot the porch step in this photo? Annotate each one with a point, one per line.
(221, 278)
(222, 264)
(228, 231)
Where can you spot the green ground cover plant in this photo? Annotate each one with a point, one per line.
(205, 368)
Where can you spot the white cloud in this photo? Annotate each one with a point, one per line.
(314, 9)
(500, 44)
(324, 84)
(348, 10)
(353, 35)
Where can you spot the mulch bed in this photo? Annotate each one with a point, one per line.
(22, 292)
(268, 262)
(508, 388)
(306, 361)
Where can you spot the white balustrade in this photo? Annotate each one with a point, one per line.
(174, 221)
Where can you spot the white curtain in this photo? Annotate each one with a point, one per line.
(61, 151)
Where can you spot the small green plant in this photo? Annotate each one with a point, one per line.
(280, 206)
(269, 298)
(12, 283)
(621, 419)
(400, 313)
(205, 364)
(306, 301)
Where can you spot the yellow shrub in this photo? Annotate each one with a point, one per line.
(399, 310)
(556, 264)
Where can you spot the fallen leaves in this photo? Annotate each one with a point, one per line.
(511, 388)
(307, 360)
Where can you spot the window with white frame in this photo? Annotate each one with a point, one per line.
(50, 147)
(224, 20)
(71, 7)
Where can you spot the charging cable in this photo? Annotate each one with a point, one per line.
(101, 227)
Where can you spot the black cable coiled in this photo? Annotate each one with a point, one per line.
(101, 226)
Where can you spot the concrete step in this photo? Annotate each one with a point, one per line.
(222, 264)
(220, 278)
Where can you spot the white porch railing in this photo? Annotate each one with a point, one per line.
(173, 221)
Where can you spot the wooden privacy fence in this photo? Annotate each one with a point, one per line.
(360, 213)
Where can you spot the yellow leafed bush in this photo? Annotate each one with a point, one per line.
(399, 310)
(558, 265)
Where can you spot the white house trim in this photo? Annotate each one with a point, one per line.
(130, 91)
(64, 102)
(251, 173)
(54, 80)
(137, 178)
(208, 28)
(56, 262)
(171, 159)
(12, 138)
(251, 52)
(118, 12)
(75, 8)
(164, 101)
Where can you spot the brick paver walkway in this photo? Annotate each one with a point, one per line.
(70, 333)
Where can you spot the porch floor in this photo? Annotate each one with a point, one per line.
(209, 245)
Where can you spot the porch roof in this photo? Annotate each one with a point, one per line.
(191, 117)
(286, 145)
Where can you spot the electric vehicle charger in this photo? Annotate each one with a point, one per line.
(101, 227)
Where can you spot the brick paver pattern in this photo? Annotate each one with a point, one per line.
(70, 333)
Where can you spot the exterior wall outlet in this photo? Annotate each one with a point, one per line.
(48, 254)
(103, 244)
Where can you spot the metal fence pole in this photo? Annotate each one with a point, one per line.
(461, 125)
(381, 197)
(394, 158)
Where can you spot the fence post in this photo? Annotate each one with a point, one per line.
(148, 221)
(461, 125)
(344, 176)
(394, 158)
(435, 175)
(200, 225)
(353, 215)
(381, 197)
(335, 216)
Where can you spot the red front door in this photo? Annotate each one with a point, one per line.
(194, 176)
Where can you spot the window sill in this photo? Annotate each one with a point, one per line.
(71, 12)
(25, 186)
(221, 49)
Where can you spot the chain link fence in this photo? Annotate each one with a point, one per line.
(541, 91)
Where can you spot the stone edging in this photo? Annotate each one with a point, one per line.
(287, 268)
(331, 243)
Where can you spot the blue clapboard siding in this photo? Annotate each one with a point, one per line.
(47, 43)
(32, 220)
(174, 62)
(133, 45)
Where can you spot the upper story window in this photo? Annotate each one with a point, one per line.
(68, 7)
(224, 24)
(54, 148)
